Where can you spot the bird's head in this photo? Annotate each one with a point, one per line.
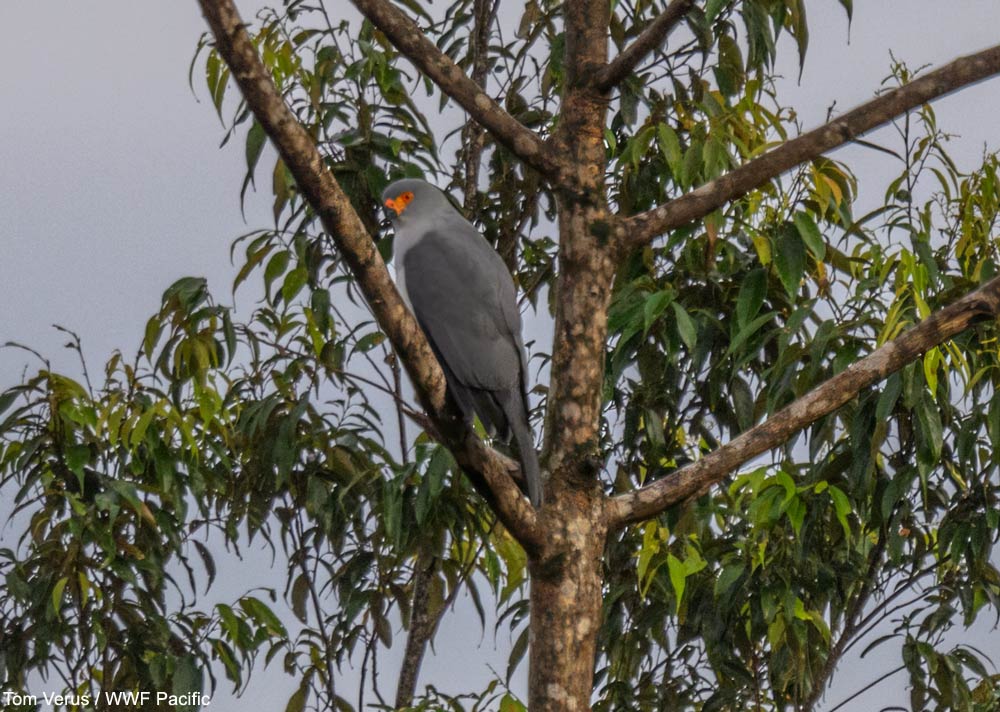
(411, 195)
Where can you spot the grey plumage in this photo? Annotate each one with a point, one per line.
(464, 299)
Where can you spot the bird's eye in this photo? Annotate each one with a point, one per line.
(406, 197)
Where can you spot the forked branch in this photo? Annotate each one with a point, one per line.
(640, 229)
(696, 478)
(485, 468)
(405, 36)
(647, 42)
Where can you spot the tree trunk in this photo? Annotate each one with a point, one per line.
(566, 598)
(566, 573)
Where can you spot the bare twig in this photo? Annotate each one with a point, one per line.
(652, 37)
(640, 229)
(867, 687)
(401, 409)
(472, 133)
(409, 39)
(697, 477)
(484, 467)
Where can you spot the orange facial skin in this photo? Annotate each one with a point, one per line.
(399, 203)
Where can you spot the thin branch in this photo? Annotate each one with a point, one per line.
(321, 620)
(423, 622)
(485, 12)
(640, 229)
(867, 687)
(401, 409)
(484, 467)
(613, 73)
(695, 479)
(881, 611)
(851, 626)
(408, 38)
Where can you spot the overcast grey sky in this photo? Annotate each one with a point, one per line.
(113, 186)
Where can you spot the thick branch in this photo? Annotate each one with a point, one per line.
(642, 228)
(697, 477)
(648, 41)
(405, 36)
(484, 467)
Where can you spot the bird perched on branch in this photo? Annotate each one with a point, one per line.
(464, 299)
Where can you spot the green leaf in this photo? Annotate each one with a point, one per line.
(638, 145)
(153, 328)
(747, 331)
(993, 423)
(297, 702)
(848, 6)
(57, 595)
(300, 594)
(932, 361)
(508, 703)
(931, 430)
(678, 577)
(842, 506)
(790, 259)
(253, 259)
(294, 282)
(670, 146)
(751, 296)
(207, 561)
(517, 652)
(383, 629)
(255, 144)
(713, 8)
(796, 511)
(693, 166)
(263, 615)
(187, 679)
(728, 578)
(654, 308)
(186, 293)
(686, 326)
(276, 267)
(76, 457)
(225, 653)
(369, 341)
(650, 547)
(887, 399)
(810, 234)
(7, 398)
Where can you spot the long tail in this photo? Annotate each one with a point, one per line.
(514, 407)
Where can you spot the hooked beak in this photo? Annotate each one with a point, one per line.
(392, 208)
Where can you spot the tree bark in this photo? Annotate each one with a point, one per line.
(566, 539)
(566, 574)
(651, 38)
(695, 479)
(566, 599)
(449, 77)
(423, 622)
(640, 229)
(484, 467)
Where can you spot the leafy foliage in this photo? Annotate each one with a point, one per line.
(762, 585)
